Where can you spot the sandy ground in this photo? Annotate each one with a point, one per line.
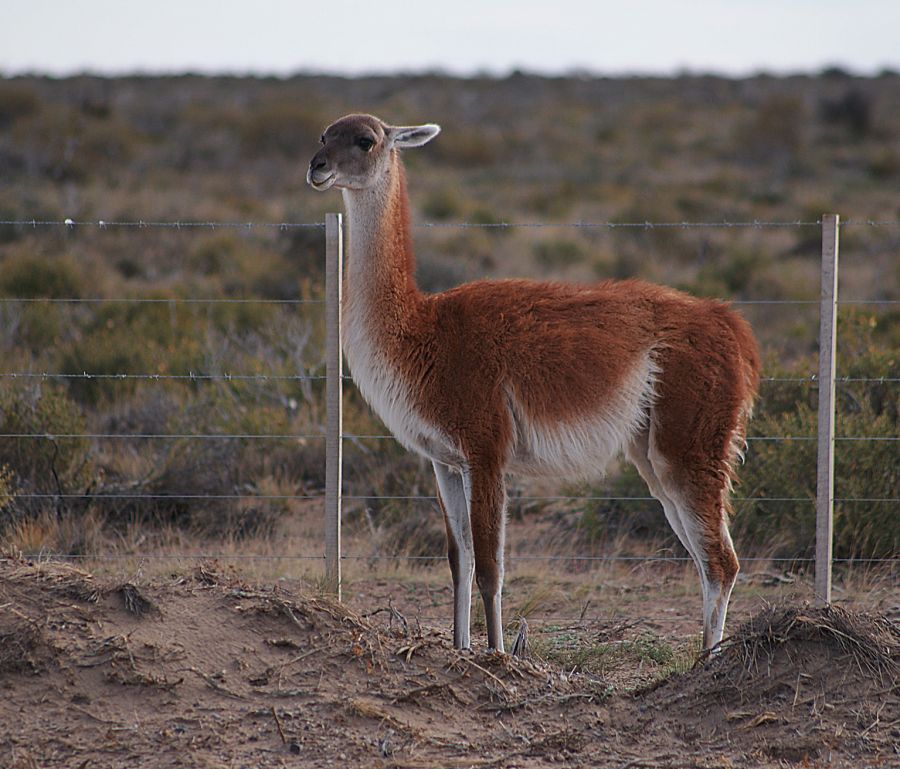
(202, 669)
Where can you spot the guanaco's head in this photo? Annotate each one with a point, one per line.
(356, 151)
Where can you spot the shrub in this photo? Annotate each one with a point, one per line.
(438, 274)
(210, 472)
(863, 469)
(51, 464)
(443, 204)
(9, 232)
(7, 487)
(102, 145)
(787, 470)
(737, 273)
(213, 254)
(31, 276)
(776, 132)
(557, 254)
(852, 111)
(280, 128)
(629, 516)
(398, 525)
(40, 326)
(132, 339)
(466, 147)
(16, 101)
(884, 165)
(303, 249)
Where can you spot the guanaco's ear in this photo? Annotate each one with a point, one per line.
(413, 135)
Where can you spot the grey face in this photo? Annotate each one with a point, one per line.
(353, 151)
(356, 151)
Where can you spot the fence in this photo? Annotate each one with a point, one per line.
(334, 435)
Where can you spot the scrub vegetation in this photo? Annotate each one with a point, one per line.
(521, 149)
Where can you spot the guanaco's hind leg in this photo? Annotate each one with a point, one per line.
(453, 498)
(694, 503)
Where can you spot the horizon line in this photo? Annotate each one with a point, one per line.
(571, 73)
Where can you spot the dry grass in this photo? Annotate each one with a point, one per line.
(20, 641)
(872, 642)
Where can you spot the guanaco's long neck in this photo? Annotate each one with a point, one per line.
(380, 283)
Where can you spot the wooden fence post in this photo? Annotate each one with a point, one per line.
(334, 258)
(827, 367)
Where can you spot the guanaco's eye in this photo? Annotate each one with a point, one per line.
(365, 143)
(322, 139)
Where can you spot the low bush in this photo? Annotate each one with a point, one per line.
(557, 254)
(446, 203)
(865, 470)
(469, 147)
(396, 524)
(26, 275)
(207, 485)
(132, 339)
(851, 111)
(16, 101)
(38, 454)
(281, 128)
(7, 487)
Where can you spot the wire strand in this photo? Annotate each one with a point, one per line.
(97, 496)
(169, 436)
(103, 224)
(153, 300)
(305, 436)
(154, 377)
(810, 378)
(423, 558)
(749, 438)
(151, 224)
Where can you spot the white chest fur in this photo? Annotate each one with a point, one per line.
(382, 385)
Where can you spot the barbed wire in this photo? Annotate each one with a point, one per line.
(151, 224)
(168, 436)
(353, 436)
(103, 224)
(213, 556)
(627, 558)
(225, 376)
(347, 436)
(263, 300)
(816, 302)
(98, 496)
(153, 300)
(190, 376)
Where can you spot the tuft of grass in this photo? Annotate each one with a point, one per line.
(541, 597)
(572, 651)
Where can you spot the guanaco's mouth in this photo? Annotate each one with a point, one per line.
(320, 184)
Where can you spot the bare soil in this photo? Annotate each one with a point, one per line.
(205, 670)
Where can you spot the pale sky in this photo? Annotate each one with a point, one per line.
(731, 37)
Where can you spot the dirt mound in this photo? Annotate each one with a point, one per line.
(794, 684)
(204, 670)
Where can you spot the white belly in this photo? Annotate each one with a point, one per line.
(584, 446)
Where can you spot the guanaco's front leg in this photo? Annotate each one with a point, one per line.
(454, 503)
